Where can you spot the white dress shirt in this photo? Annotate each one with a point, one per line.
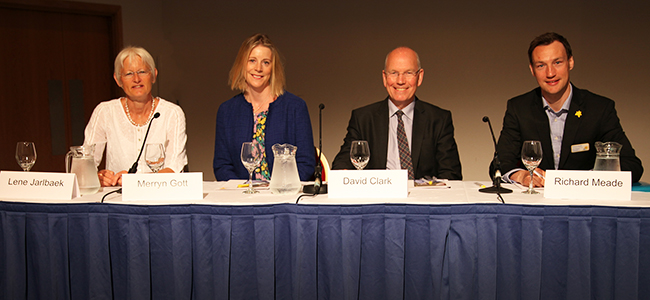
(110, 128)
(392, 157)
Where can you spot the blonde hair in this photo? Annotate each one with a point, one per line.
(130, 52)
(237, 77)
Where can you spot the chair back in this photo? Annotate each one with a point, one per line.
(324, 164)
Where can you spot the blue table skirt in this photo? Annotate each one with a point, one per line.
(480, 251)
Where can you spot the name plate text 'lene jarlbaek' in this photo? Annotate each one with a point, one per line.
(38, 185)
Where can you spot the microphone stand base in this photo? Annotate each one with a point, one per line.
(311, 189)
(495, 190)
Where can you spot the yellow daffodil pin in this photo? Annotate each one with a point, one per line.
(579, 114)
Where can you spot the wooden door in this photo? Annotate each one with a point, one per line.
(56, 65)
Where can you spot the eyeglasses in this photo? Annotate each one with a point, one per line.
(408, 75)
(130, 74)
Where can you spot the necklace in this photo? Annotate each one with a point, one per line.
(257, 107)
(128, 113)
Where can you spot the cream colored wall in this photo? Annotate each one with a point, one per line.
(473, 53)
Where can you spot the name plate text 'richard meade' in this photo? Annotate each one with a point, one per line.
(597, 185)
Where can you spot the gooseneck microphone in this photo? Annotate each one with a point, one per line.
(318, 187)
(496, 187)
(134, 167)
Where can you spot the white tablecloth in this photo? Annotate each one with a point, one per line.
(457, 192)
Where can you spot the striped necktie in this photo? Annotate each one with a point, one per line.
(403, 145)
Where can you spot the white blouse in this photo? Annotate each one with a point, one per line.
(110, 128)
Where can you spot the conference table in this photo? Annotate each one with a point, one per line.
(438, 243)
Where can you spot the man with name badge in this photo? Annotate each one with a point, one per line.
(567, 120)
(404, 132)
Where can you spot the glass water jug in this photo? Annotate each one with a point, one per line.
(607, 156)
(284, 178)
(83, 164)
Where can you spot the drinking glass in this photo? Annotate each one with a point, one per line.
(250, 158)
(359, 154)
(531, 156)
(26, 155)
(154, 156)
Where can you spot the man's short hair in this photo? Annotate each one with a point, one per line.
(416, 56)
(547, 39)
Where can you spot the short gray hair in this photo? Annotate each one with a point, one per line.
(404, 47)
(130, 52)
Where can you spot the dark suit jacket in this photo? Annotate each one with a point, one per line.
(434, 151)
(591, 118)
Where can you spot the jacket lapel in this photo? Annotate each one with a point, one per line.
(417, 134)
(571, 125)
(381, 146)
(540, 119)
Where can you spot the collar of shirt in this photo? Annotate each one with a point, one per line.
(556, 121)
(408, 111)
(392, 157)
(565, 106)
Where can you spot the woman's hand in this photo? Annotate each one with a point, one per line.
(166, 170)
(523, 177)
(109, 178)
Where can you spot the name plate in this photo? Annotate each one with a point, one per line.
(598, 185)
(38, 186)
(367, 184)
(162, 186)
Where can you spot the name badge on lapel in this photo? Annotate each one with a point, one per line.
(579, 147)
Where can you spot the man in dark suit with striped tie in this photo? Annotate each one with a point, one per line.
(402, 131)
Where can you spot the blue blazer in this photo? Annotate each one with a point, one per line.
(287, 122)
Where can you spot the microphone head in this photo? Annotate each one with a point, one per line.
(156, 115)
(486, 119)
(321, 106)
